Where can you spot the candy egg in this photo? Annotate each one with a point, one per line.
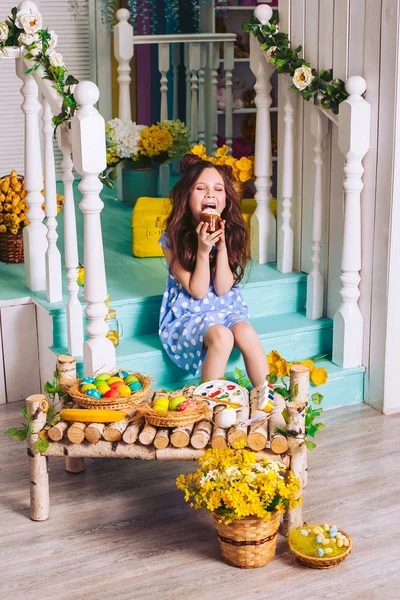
(304, 532)
(103, 376)
(328, 550)
(135, 386)
(227, 418)
(130, 379)
(346, 542)
(325, 541)
(340, 543)
(88, 386)
(87, 380)
(319, 539)
(317, 530)
(326, 527)
(320, 552)
(92, 393)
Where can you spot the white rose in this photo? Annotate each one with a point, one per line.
(268, 54)
(27, 39)
(302, 77)
(52, 42)
(3, 32)
(29, 21)
(56, 59)
(35, 51)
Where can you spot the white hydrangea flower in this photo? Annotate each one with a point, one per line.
(28, 38)
(126, 135)
(268, 54)
(28, 20)
(302, 77)
(56, 59)
(3, 32)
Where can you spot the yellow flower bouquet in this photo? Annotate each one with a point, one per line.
(279, 368)
(233, 484)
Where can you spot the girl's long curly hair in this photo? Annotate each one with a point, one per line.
(181, 232)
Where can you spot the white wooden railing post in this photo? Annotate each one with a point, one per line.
(202, 96)
(176, 61)
(212, 114)
(53, 257)
(35, 241)
(285, 231)
(89, 155)
(262, 224)
(228, 67)
(123, 50)
(194, 66)
(163, 67)
(74, 307)
(315, 280)
(354, 141)
(188, 89)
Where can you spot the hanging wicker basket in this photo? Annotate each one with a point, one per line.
(11, 247)
(248, 543)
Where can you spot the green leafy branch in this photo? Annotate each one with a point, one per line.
(323, 89)
(313, 411)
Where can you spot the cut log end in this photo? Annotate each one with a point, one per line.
(237, 435)
(219, 441)
(279, 444)
(256, 441)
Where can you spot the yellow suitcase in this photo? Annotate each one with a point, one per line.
(148, 222)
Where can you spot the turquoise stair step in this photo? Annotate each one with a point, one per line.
(278, 295)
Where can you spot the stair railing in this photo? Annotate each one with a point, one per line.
(353, 124)
(201, 60)
(86, 141)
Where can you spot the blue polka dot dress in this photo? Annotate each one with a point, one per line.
(184, 319)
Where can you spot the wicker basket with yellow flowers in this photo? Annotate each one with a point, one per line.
(13, 217)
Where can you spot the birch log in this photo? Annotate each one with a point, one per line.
(218, 437)
(299, 385)
(76, 432)
(147, 434)
(201, 434)
(94, 432)
(113, 431)
(66, 366)
(162, 438)
(101, 450)
(38, 475)
(56, 433)
(180, 437)
(279, 443)
(238, 434)
(258, 435)
(178, 454)
(131, 433)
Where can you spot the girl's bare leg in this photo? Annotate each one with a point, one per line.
(247, 341)
(219, 343)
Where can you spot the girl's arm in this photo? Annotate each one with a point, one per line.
(223, 279)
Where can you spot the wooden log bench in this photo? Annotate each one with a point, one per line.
(134, 438)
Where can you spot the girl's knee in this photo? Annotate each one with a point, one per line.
(243, 334)
(219, 337)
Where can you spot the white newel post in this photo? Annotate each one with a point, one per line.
(228, 67)
(354, 141)
(53, 257)
(35, 241)
(163, 67)
(89, 154)
(123, 50)
(315, 280)
(285, 231)
(262, 224)
(74, 307)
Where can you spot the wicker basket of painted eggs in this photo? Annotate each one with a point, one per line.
(320, 546)
(175, 409)
(115, 390)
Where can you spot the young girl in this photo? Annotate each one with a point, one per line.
(203, 315)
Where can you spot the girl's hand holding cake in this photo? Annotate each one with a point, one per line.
(207, 240)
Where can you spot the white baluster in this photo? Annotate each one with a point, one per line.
(315, 280)
(74, 307)
(53, 257)
(354, 141)
(285, 231)
(176, 61)
(213, 61)
(194, 66)
(202, 97)
(123, 50)
(89, 154)
(262, 225)
(35, 242)
(228, 67)
(188, 88)
(163, 67)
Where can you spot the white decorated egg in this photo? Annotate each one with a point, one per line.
(227, 418)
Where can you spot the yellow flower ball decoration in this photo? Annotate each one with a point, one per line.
(154, 140)
(243, 168)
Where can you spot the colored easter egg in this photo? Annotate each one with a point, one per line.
(160, 408)
(328, 550)
(304, 532)
(130, 379)
(187, 404)
(103, 376)
(320, 552)
(326, 527)
(319, 539)
(92, 393)
(115, 384)
(113, 379)
(112, 394)
(124, 390)
(103, 388)
(340, 543)
(87, 380)
(98, 382)
(135, 386)
(123, 374)
(163, 402)
(88, 386)
(325, 541)
(175, 402)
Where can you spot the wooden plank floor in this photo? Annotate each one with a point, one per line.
(121, 530)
